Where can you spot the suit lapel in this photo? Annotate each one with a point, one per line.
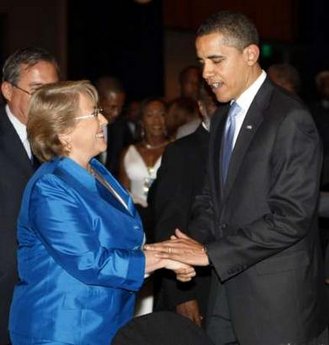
(252, 121)
(12, 147)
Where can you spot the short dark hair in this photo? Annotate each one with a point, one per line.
(145, 103)
(238, 30)
(107, 84)
(286, 73)
(185, 72)
(29, 56)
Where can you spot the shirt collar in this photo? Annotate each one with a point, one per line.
(246, 98)
(18, 125)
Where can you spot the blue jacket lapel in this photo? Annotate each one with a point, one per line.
(115, 185)
(79, 178)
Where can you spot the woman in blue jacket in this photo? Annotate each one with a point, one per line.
(80, 256)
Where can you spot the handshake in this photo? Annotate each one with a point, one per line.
(178, 254)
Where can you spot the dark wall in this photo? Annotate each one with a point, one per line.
(119, 38)
(314, 36)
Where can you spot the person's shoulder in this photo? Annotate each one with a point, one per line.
(129, 151)
(4, 120)
(44, 177)
(285, 99)
(291, 113)
(188, 140)
(2, 110)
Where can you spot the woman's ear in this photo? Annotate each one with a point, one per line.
(65, 140)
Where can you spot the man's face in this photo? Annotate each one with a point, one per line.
(226, 69)
(112, 105)
(191, 84)
(30, 79)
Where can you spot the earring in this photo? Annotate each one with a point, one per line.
(67, 148)
(142, 134)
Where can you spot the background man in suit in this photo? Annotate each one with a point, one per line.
(112, 98)
(23, 72)
(179, 180)
(189, 82)
(260, 197)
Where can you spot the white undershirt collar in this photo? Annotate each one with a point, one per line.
(245, 100)
(20, 129)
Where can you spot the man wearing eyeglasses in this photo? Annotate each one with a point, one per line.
(23, 72)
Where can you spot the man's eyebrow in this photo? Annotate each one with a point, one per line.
(35, 85)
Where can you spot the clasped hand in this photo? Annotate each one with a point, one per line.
(180, 248)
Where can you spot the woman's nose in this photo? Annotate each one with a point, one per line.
(102, 119)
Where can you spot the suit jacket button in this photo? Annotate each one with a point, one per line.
(223, 226)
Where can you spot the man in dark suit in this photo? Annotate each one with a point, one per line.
(179, 180)
(256, 219)
(23, 72)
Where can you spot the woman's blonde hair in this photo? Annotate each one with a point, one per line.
(52, 112)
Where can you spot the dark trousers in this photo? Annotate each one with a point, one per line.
(219, 326)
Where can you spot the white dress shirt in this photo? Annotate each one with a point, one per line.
(21, 131)
(244, 101)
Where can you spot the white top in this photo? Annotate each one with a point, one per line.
(140, 176)
(244, 101)
(21, 131)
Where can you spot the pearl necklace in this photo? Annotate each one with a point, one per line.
(154, 147)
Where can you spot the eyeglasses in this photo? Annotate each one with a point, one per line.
(94, 114)
(21, 89)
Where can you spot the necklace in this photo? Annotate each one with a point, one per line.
(101, 179)
(154, 147)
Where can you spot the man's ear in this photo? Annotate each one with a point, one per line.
(251, 54)
(7, 90)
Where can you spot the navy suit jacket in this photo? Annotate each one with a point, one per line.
(79, 257)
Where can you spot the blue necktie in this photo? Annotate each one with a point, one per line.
(228, 141)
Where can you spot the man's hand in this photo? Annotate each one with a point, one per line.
(181, 248)
(190, 309)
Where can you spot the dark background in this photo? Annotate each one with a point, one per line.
(120, 38)
(126, 39)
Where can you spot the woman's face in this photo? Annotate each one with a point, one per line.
(86, 140)
(153, 119)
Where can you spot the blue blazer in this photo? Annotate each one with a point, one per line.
(80, 260)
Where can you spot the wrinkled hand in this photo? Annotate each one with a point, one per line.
(180, 248)
(184, 273)
(190, 309)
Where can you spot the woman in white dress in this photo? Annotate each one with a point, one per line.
(138, 168)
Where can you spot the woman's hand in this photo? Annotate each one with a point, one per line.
(184, 273)
(180, 248)
(153, 262)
